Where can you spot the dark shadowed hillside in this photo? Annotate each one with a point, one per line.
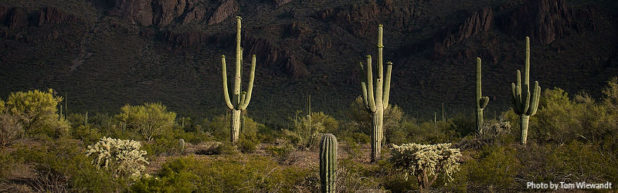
(105, 53)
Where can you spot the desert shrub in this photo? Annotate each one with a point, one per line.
(429, 132)
(226, 148)
(121, 157)
(62, 165)
(282, 151)
(150, 119)
(230, 174)
(562, 120)
(10, 129)
(463, 125)
(218, 127)
(78, 119)
(309, 127)
(493, 132)
(87, 134)
(205, 148)
(36, 112)
(6, 162)
(248, 143)
(493, 168)
(193, 137)
(354, 177)
(161, 146)
(573, 162)
(426, 162)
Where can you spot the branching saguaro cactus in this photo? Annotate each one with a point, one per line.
(239, 101)
(328, 163)
(525, 103)
(377, 105)
(481, 101)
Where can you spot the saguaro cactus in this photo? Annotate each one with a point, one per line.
(481, 101)
(328, 163)
(377, 105)
(239, 102)
(525, 103)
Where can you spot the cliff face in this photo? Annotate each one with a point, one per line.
(162, 13)
(168, 50)
(17, 17)
(543, 20)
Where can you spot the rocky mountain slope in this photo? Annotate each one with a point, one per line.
(106, 53)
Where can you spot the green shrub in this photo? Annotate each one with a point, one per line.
(36, 112)
(493, 167)
(573, 162)
(282, 151)
(86, 134)
(66, 163)
(309, 127)
(230, 174)
(150, 120)
(248, 143)
(10, 129)
(429, 132)
(226, 148)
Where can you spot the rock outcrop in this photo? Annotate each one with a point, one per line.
(162, 13)
(274, 57)
(226, 9)
(481, 21)
(280, 3)
(51, 15)
(136, 11)
(16, 17)
(543, 20)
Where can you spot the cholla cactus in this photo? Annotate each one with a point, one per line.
(122, 157)
(425, 161)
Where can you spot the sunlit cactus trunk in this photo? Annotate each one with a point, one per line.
(524, 120)
(377, 134)
(525, 103)
(377, 105)
(328, 163)
(239, 101)
(235, 122)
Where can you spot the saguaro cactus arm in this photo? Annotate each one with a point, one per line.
(536, 96)
(245, 101)
(370, 97)
(226, 94)
(387, 83)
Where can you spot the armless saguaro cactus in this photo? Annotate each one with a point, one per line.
(481, 101)
(525, 103)
(377, 105)
(328, 163)
(239, 102)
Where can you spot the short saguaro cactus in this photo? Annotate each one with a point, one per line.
(328, 163)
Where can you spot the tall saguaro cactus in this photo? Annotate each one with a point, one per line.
(525, 103)
(377, 105)
(328, 163)
(481, 101)
(239, 101)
